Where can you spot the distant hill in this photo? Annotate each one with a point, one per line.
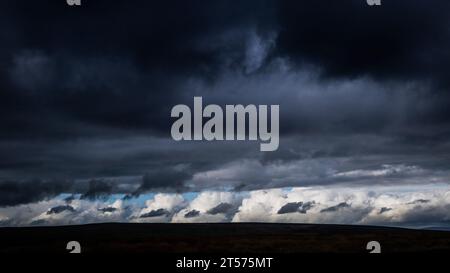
(245, 238)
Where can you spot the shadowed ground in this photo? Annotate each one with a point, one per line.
(221, 238)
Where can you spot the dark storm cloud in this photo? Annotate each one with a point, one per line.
(80, 88)
(97, 189)
(69, 199)
(192, 213)
(59, 209)
(384, 209)
(107, 209)
(427, 215)
(290, 207)
(401, 39)
(85, 75)
(306, 206)
(336, 208)
(124, 74)
(155, 213)
(221, 208)
(296, 207)
(164, 179)
(22, 192)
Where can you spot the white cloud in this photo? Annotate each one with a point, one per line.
(167, 202)
(414, 206)
(204, 202)
(376, 205)
(385, 170)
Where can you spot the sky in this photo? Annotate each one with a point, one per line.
(86, 94)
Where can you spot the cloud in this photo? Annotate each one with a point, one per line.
(419, 201)
(351, 43)
(215, 202)
(210, 206)
(374, 205)
(192, 213)
(258, 48)
(59, 209)
(154, 213)
(160, 208)
(386, 170)
(337, 207)
(290, 207)
(306, 206)
(385, 205)
(23, 192)
(79, 212)
(221, 208)
(165, 201)
(384, 209)
(171, 179)
(296, 207)
(107, 209)
(69, 199)
(363, 102)
(97, 189)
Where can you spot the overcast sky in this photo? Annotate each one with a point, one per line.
(86, 94)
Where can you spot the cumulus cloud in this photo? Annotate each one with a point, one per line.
(369, 205)
(56, 212)
(408, 206)
(210, 206)
(160, 208)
